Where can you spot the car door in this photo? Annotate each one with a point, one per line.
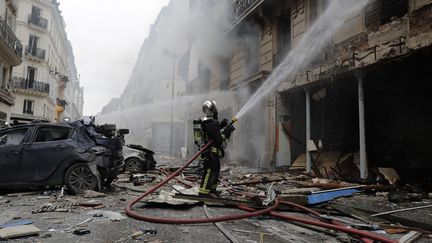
(11, 145)
(49, 147)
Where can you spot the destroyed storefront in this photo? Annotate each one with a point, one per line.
(396, 120)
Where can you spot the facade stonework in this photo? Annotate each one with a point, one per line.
(46, 84)
(11, 51)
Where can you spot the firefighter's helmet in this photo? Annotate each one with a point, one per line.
(209, 108)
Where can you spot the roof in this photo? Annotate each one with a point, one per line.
(28, 125)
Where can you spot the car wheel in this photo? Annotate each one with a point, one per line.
(79, 178)
(150, 163)
(134, 165)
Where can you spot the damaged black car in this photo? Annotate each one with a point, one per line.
(78, 154)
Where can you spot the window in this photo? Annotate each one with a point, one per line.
(204, 77)
(50, 134)
(28, 107)
(252, 49)
(3, 117)
(31, 75)
(33, 43)
(381, 12)
(283, 36)
(14, 137)
(3, 78)
(36, 12)
(225, 74)
(44, 111)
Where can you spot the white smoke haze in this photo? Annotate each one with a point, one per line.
(147, 98)
(311, 44)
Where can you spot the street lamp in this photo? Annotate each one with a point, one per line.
(173, 55)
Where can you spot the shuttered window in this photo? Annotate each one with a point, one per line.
(379, 12)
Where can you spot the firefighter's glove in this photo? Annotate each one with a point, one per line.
(228, 130)
(223, 123)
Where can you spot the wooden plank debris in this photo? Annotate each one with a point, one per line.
(220, 201)
(298, 199)
(402, 210)
(358, 214)
(251, 232)
(410, 237)
(388, 217)
(338, 189)
(19, 231)
(16, 223)
(303, 191)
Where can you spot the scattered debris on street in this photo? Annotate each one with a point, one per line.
(38, 214)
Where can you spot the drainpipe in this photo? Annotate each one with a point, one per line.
(363, 162)
(308, 133)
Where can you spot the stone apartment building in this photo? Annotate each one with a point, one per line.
(148, 105)
(10, 55)
(46, 84)
(366, 93)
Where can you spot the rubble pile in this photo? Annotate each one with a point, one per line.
(399, 212)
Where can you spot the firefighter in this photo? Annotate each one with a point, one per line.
(206, 129)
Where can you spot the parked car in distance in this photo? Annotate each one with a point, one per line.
(46, 154)
(138, 158)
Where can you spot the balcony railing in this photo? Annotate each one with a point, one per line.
(7, 96)
(25, 84)
(242, 7)
(8, 36)
(38, 21)
(35, 52)
(61, 102)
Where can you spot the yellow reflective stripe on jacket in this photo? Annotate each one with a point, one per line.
(204, 186)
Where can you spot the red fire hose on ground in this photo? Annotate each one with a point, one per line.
(252, 212)
(135, 215)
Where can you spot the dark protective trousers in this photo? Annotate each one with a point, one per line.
(210, 174)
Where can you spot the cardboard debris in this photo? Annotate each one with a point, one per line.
(390, 175)
(299, 163)
(165, 197)
(113, 216)
(18, 231)
(323, 164)
(93, 194)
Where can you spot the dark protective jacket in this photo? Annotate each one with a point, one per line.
(211, 129)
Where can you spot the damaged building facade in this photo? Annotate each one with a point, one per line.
(364, 97)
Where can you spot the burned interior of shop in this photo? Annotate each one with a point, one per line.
(397, 117)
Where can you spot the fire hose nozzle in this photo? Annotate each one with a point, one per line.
(233, 120)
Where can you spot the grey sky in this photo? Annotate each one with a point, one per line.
(106, 36)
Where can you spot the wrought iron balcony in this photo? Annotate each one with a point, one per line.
(61, 102)
(38, 21)
(243, 7)
(18, 83)
(7, 96)
(10, 39)
(35, 52)
(64, 78)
